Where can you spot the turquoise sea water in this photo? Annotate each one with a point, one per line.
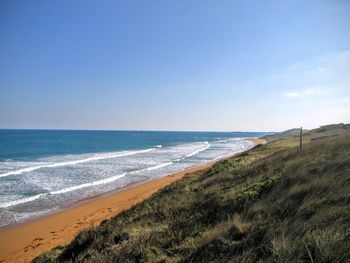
(42, 170)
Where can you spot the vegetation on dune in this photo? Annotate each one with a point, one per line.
(273, 204)
(283, 135)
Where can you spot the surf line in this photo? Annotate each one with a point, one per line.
(94, 158)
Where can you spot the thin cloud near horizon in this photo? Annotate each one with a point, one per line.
(300, 93)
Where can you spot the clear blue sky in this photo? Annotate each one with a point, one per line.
(174, 65)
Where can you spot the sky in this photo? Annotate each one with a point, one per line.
(174, 65)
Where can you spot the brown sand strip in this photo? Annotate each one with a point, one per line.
(24, 242)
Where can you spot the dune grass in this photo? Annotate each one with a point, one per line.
(271, 204)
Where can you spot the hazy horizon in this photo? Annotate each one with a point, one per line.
(223, 131)
(174, 66)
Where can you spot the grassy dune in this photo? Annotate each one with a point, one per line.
(273, 204)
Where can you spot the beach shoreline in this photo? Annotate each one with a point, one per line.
(23, 242)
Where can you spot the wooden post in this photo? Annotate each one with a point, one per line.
(301, 139)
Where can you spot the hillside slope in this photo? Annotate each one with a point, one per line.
(273, 204)
(283, 135)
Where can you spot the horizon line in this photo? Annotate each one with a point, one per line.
(137, 130)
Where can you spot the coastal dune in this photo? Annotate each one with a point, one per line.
(24, 242)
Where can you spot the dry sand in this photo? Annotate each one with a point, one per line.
(24, 242)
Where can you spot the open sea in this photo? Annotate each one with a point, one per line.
(43, 171)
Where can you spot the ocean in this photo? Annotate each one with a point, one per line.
(44, 171)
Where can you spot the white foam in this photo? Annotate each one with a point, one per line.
(73, 162)
(80, 186)
(62, 191)
(207, 146)
(173, 152)
(158, 166)
(21, 201)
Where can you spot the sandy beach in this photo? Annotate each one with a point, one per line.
(24, 242)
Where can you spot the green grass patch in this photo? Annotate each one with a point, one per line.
(271, 204)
